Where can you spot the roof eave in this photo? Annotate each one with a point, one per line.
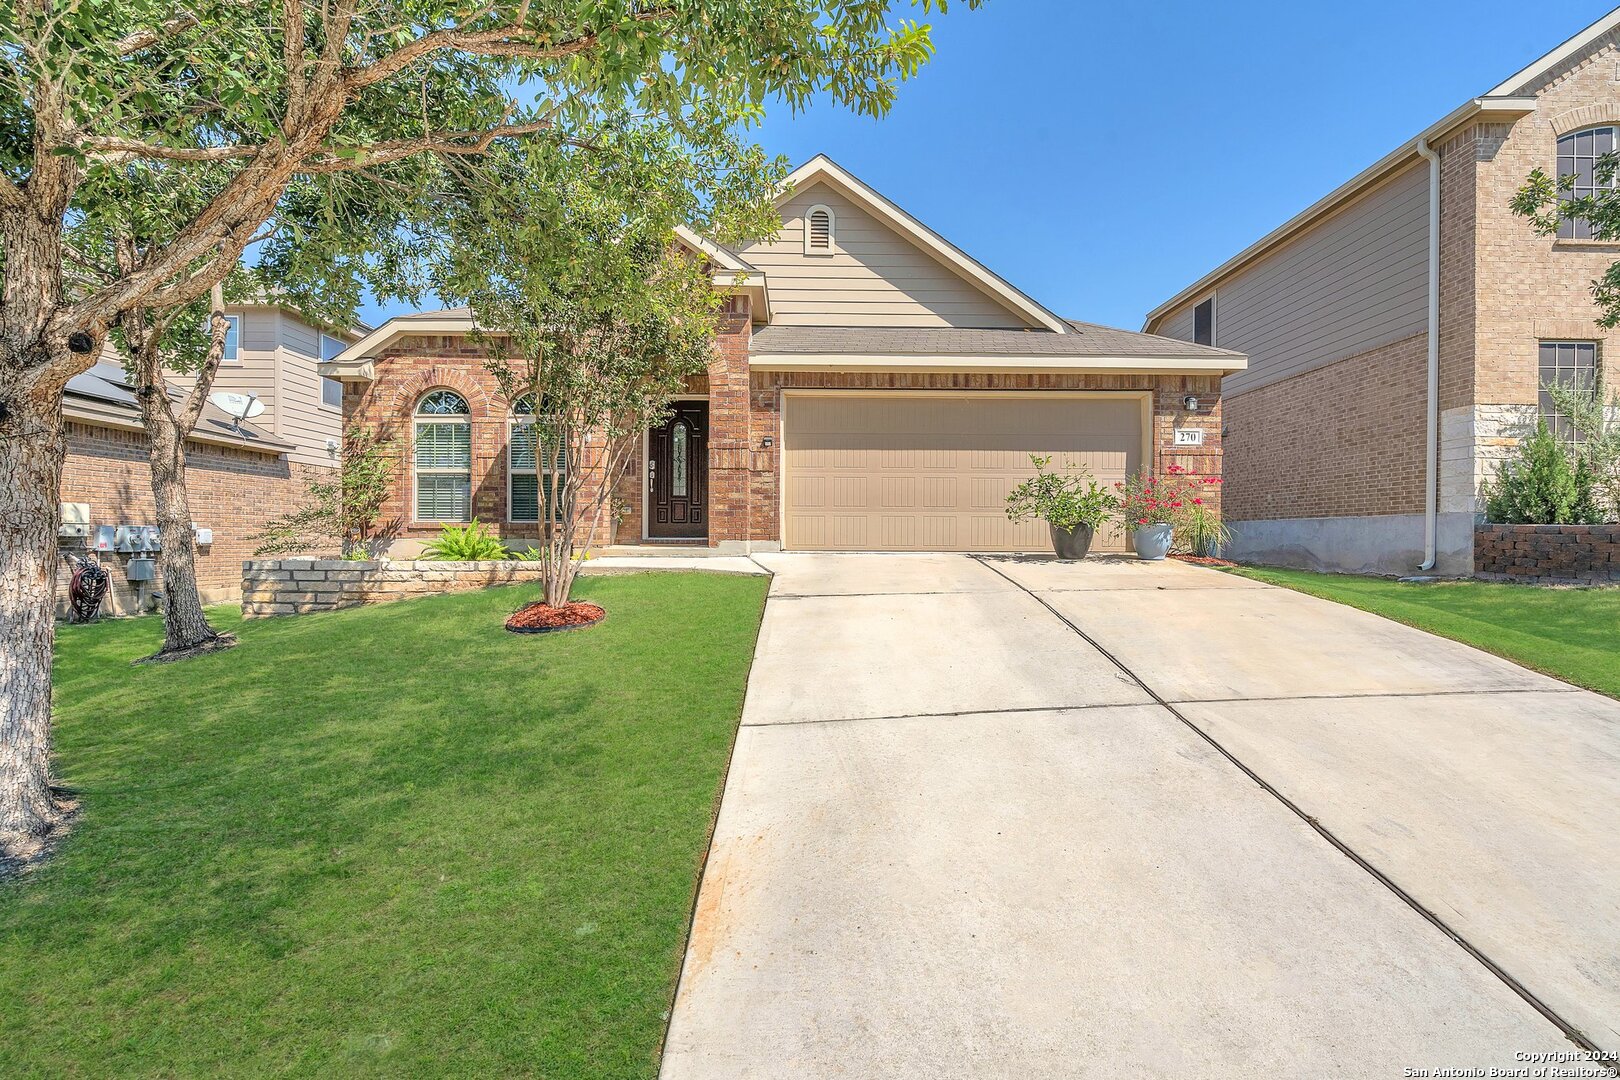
(1046, 365)
(90, 411)
(1478, 108)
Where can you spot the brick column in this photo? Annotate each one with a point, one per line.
(729, 432)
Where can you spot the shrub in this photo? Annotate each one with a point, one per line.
(1064, 499)
(466, 543)
(1595, 416)
(1544, 483)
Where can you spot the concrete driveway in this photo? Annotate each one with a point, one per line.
(1014, 818)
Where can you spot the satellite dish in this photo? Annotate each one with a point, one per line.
(238, 407)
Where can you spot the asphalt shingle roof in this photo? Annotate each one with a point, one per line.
(1087, 339)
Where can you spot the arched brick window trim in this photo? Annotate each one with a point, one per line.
(1597, 114)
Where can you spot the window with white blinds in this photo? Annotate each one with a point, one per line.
(527, 475)
(443, 457)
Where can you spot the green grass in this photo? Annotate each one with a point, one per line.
(394, 841)
(1572, 634)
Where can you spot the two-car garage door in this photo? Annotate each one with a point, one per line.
(931, 471)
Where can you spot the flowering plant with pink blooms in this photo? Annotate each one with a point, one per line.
(1166, 499)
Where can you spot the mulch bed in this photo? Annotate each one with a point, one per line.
(1203, 560)
(542, 618)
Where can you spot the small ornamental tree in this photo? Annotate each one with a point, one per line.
(341, 512)
(595, 316)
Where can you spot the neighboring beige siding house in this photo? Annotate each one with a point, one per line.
(1337, 455)
(239, 476)
(873, 388)
(272, 352)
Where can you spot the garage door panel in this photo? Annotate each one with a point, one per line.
(901, 472)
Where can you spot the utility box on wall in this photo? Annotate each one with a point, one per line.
(124, 537)
(75, 522)
(140, 570)
(106, 539)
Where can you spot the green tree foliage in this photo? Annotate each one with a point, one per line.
(1543, 484)
(589, 305)
(312, 138)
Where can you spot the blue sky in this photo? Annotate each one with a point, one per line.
(1102, 156)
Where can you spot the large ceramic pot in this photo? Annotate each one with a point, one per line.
(1153, 541)
(1071, 543)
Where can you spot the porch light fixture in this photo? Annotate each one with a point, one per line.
(1190, 403)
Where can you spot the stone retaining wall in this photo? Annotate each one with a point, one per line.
(299, 586)
(1588, 554)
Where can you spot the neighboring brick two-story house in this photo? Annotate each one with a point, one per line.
(239, 476)
(1338, 454)
(873, 389)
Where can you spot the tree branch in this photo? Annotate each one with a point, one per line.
(442, 142)
(512, 40)
(147, 37)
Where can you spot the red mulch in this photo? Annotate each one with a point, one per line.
(1203, 560)
(541, 618)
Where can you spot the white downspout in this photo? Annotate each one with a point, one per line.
(1431, 508)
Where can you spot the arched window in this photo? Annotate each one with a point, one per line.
(1579, 154)
(527, 475)
(818, 231)
(442, 454)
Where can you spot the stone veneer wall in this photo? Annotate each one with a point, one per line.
(1548, 553)
(300, 586)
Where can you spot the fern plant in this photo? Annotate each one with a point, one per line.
(466, 543)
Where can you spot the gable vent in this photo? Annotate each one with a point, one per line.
(818, 231)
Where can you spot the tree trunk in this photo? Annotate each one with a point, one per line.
(32, 446)
(185, 627)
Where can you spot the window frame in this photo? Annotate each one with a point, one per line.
(327, 380)
(1568, 228)
(544, 473)
(418, 420)
(232, 353)
(1214, 320)
(1557, 422)
(832, 230)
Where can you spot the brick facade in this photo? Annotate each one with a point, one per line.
(1531, 288)
(1587, 554)
(744, 412)
(1341, 440)
(234, 492)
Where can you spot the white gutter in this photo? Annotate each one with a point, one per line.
(1431, 446)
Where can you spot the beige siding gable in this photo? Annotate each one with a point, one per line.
(873, 277)
(1352, 283)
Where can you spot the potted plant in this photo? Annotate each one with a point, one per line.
(1072, 504)
(1154, 505)
(1202, 532)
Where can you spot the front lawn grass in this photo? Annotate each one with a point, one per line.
(1571, 634)
(392, 841)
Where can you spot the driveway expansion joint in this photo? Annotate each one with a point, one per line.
(1570, 1032)
(1022, 710)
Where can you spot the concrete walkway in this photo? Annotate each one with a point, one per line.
(1014, 818)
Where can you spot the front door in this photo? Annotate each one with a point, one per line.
(678, 474)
